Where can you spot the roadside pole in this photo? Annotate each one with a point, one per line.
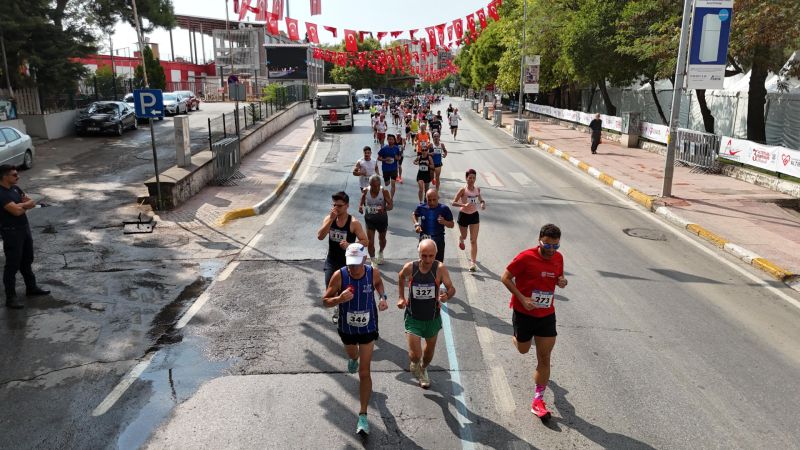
(680, 72)
(522, 58)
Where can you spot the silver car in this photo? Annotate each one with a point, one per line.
(175, 104)
(16, 147)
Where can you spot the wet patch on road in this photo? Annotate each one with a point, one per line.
(645, 233)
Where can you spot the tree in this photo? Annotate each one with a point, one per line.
(108, 85)
(484, 65)
(155, 72)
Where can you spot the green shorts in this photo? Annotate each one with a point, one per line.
(425, 329)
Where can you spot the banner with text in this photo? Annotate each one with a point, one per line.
(532, 74)
(708, 47)
(767, 157)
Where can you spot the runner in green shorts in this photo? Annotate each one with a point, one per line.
(423, 318)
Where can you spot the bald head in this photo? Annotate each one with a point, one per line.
(432, 197)
(427, 245)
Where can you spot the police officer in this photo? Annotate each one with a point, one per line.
(17, 238)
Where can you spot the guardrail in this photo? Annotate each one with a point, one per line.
(227, 157)
(697, 149)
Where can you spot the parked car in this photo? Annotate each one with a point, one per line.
(16, 147)
(103, 117)
(378, 99)
(192, 100)
(175, 104)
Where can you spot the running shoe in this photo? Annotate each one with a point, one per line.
(461, 244)
(540, 409)
(352, 365)
(413, 367)
(363, 426)
(379, 259)
(424, 380)
(473, 266)
(433, 182)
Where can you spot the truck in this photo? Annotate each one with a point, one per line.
(335, 105)
(364, 98)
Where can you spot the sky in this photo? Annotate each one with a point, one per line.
(360, 15)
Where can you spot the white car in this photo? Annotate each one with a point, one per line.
(16, 147)
(175, 104)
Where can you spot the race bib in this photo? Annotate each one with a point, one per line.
(423, 168)
(371, 209)
(437, 150)
(423, 291)
(542, 299)
(337, 235)
(388, 160)
(358, 319)
(473, 200)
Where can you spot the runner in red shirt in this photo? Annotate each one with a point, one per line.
(532, 278)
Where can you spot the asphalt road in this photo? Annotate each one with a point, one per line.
(663, 341)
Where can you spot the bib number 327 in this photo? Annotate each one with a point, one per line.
(542, 299)
(358, 319)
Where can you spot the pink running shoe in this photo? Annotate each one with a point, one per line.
(540, 409)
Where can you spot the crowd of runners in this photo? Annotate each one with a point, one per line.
(354, 284)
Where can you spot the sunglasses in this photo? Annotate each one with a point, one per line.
(549, 246)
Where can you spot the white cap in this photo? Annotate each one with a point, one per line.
(355, 254)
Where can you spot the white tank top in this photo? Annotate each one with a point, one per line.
(470, 197)
(371, 203)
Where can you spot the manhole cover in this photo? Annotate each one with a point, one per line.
(645, 233)
(160, 241)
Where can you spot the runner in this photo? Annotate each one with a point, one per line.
(414, 126)
(449, 110)
(401, 146)
(365, 168)
(430, 219)
(423, 135)
(388, 155)
(436, 123)
(341, 229)
(380, 129)
(375, 204)
(425, 163)
(423, 317)
(454, 118)
(352, 292)
(374, 119)
(439, 151)
(532, 278)
(408, 131)
(468, 198)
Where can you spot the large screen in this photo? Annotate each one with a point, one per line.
(287, 63)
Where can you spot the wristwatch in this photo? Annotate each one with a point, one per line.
(383, 296)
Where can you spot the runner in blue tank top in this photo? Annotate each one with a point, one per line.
(352, 291)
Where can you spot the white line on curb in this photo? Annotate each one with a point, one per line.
(123, 386)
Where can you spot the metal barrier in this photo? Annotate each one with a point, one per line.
(485, 112)
(474, 105)
(227, 158)
(697, 149)
(521, 130)
(498, 118)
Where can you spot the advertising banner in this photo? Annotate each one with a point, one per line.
(532, 74)
(708, 48)
(772, 158)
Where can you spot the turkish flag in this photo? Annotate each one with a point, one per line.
(431, 36)
(334, 116)
(331, 29)
(291, 28)
(277, 9)
(423, 46)
(449, 32)
(411, 33)
(311, 33)
(328, 56)
(381, 34)
(440, 32)
(316, 7)
(498, 3)
(244, 8)
(395, 34)
(482, 18)
(458, 26)
(341, 59)
(471, 23)
(236, 6)
(317, 53)
(272, 24)
(350, 41)
(492, 8)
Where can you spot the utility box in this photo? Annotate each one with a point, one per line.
(631, 129)
(183, 143)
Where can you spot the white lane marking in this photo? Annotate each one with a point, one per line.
(194, 309)
(300, 181)
(465, 430)
(491, 179)
(521, 178)
(228, 271)
(123, 386)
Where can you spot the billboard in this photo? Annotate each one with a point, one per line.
(287, 62)
(531, 84)
(708, 51)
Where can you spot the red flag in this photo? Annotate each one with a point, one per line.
(449, 33)
(351, 45)
(440, 32)
(423, 46)
(458, 26)
(277, 9)
(381, 34)
(482, 18)
(471, 23)
(272, 24)
(341, 59)
(331, 29)
(244, 8)
(262, 10)
(395, 34)
(236, 6)
(317, 53)
(416, 56)
(431, 36)
(492, 8)
(316, 7)
(498, 3)
(291, 27)
(311, 33)
(411, 33)
(329, 55)
(361, 35)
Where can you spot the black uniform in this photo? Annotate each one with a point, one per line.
(597, 128)
(17, 242)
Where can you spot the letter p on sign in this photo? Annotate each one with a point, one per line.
(148, 103)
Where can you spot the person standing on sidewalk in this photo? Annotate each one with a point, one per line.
(597, 129)
(341, 229)
(352, 292)
(532, 278)
(17, 237)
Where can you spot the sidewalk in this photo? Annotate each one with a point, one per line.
(263, 173)
(725, 210)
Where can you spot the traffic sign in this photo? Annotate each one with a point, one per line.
(148, 103)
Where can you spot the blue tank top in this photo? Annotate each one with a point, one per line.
(437, 154)
(359, 315)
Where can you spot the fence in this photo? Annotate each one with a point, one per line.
(697, 149)
(227, 158)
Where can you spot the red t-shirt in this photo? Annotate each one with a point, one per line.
(536, 277)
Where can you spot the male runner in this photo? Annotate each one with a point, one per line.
(438, 151)
(454, 118)
(423, 135)
(532, 278)
(380, 129)
(414, 127)
(375, 204)
(365, 168)
(341, 229)
(423, 318)
(430, 220)
(352, 291)
(388, 155)
(436, 123)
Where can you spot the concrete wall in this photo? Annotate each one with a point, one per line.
(179, 184)
(16, 123)
(51, 126)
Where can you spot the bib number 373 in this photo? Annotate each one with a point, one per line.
(542, 299)
(358, 319)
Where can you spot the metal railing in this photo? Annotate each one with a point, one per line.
(697, 149)
(227, 157)
(521, 131)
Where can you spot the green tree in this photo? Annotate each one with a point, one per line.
(107, 84)
(155, 71)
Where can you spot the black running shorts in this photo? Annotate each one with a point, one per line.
(465, 219)
(526, 327)
(355, 339)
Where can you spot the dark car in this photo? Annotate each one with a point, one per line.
(106, 117)
(191, 99)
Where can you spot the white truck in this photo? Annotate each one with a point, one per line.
(334, 104)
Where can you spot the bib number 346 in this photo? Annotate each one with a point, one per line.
(358, 319)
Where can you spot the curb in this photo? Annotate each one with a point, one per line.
(262, 206)
(649, 202)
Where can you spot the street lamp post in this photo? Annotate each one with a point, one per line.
(522, 58)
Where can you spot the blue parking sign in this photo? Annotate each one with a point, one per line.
(148, 103)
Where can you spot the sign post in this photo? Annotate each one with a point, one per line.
(708, 51)
(149, 104)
